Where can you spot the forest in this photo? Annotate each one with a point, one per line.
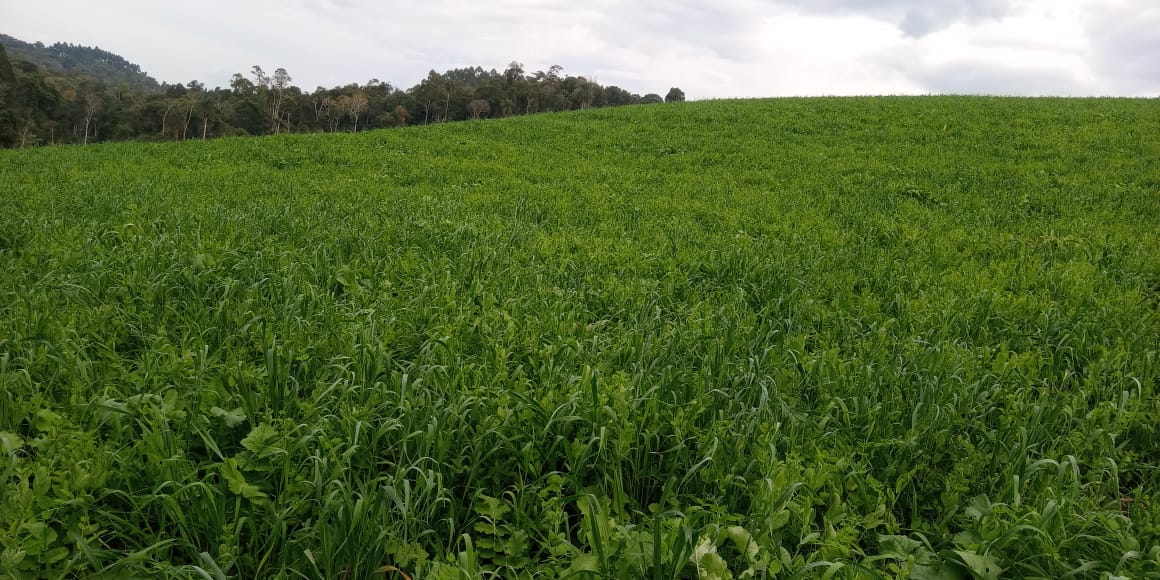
(64, 93)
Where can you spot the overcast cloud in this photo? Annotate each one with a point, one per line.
(709, 48)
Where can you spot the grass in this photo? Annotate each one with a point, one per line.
(885, 337)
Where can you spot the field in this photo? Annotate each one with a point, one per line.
(848, 338)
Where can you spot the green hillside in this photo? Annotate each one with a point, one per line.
(848, 338)
(74, 59)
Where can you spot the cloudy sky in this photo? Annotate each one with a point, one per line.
(709, 48)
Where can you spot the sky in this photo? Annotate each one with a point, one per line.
(708, 48)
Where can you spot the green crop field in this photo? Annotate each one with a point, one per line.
(847, 338)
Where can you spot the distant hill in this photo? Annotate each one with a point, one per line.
(73, 59)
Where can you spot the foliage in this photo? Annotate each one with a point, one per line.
(93, 62)
(888, 337)
(66, 94)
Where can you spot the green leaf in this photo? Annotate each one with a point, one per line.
(968, 539)
(710, 565)
(230, 419)
(636, 554)
(980, 506)
(713, 567)
(779, 520)
(981, 567)
(203, 260)
(517, 544)
(583, 563)
(11, 558)
(745, 544)
(237, 481)
(897, 546)
(903, 548)
(404, 553)
(491, 507)
(171, 405)
(46, 420)
(934, 572)
(54, 555)
(10, 442)
(40, 536)
(347, 277)
(261, 438)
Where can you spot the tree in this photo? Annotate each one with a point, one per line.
(514, 73)
(651, 98)
(354, 105)
(427, 93)
(8, 114)
(165, 118)
(92, 105)
(675, 96)
(478, 107)
(188, 104)
(7, 77)
(617, 96)
(7, 74)
(241, 85)
(56, 105)
(450, 87)
(209, 111)
(191, 103)
(323, 106)
(278, 85)
(581, 91)
(551, 93)
(261, 79)
(516, 87)
(272, 89)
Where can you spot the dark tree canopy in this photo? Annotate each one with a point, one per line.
(65, 93)
(7, 74)
(675, 96)
(75, 59)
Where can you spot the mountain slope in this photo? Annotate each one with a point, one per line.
(74, 59)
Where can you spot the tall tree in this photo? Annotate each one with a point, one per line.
(478, 108)
(278, 86)
(428, 93)
(356, 105)
(241, 85)
(92, 106)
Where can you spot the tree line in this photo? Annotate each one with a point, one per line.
(39, 106)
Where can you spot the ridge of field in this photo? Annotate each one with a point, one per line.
(848, 337)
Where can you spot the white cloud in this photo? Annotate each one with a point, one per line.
(709, 48)
(1034, 49)
(833, 55)
(1125, 45)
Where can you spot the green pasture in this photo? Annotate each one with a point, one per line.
(844, 338)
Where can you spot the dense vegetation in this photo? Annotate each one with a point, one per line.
(74, 94)
(64, 58)
(898, 337)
